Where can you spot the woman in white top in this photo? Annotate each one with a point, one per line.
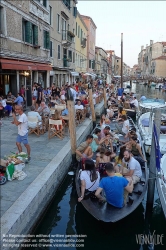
(89, 178)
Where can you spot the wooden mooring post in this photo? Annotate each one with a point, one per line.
(72, 125)
(152, 167)
(105, 97)
(92, 105)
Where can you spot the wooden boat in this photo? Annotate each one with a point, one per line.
(131, 113)
(106, 212)
(161, 183)
(145, 124)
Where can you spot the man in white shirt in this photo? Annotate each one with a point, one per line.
(79, 105)
(33, 113)
(124, 130)
(22, 124)
(134, 103)
(133, 167)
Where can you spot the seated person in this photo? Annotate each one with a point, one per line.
(65, 112)
(10, 97)
(118, 161)
(101, 157)
(106, 131)
(33, 113)
(79, 105)
(19, 100)
(120, 113)
(43, 109)
(113, 187)
(95, 145)
(89, 178)
(107, 144)
(125, 126)
(85, 150)
(133, 167)
(110, 112)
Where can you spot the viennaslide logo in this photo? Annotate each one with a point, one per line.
(154, 239)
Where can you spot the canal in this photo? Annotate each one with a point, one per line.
(66, 217)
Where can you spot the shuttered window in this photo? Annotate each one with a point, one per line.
(73, 57)
(59, 52)
(29, 32)
(46, 41)
(90, 64)
(45, 3)
(70, 55)
(50, 48)
(75, 11)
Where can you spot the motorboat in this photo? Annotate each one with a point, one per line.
(150, 103)
(107, 212)
(161, 183)
(145, 124)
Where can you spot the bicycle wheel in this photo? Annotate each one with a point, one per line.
(2, 180)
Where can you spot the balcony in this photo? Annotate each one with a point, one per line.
(67, 38)
(83, 43)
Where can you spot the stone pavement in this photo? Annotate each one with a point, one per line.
(43, 150)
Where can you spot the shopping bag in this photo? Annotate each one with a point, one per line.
(9, 171)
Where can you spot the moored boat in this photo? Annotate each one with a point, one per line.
(106, 212)
(161, 183)
(150, 103)
(159, 86)
(145, 124)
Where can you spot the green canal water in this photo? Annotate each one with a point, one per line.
(66, 217)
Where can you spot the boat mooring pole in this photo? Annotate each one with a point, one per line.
(72, 125)
(121, 60)
(152, 167)
(92, 105)
(105, 98)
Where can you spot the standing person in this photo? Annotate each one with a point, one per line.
(39, 95)
(22, 90)
(22, 124)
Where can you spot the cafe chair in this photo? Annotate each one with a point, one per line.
(34, 125)
(55, 129)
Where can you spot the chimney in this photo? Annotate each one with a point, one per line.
(151, 42)
(142, 47)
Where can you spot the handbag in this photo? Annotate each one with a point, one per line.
(90, 194)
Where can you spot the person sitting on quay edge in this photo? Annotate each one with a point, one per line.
(89, 178)
(133, 167)
(114, 187)
(85, 150)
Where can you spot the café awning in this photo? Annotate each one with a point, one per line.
(23, 65)
(73, 73)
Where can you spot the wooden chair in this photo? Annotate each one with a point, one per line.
(36, 130)
(55, 129)
(60, 107)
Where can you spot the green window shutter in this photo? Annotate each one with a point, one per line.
(44, 38)
(28, 32)
(47, 40)
(75, 11)
(35, 35)
(90, 64)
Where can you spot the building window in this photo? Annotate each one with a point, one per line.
(76, 28)
(2, 21)
(59, 52)
(76, 60)
(74, 34)
(75, 11)
(58, 22)
(68, 27)
(50, 14)
(45, 3)
(78, 31)
(50, 48)
(73, 57)
(117, 60)
(70, 55)
(46, 42)
(67, 3)
(90, 64)
(29, 32)
(81, 35)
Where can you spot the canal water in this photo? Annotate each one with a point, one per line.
(66, 217)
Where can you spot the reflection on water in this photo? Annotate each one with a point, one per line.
(67, 217)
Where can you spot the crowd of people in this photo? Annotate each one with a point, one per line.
(107, 163)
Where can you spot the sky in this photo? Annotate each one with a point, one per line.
(139, 21)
